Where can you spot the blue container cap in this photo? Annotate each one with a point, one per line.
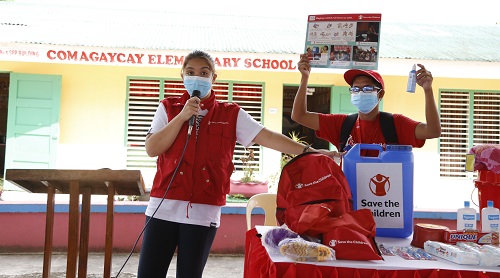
(398, 147)
(466, 204)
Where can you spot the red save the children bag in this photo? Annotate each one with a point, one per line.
(315, 200)
(351, 235)
(311, 178)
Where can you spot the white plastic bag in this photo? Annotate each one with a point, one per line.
(451, 253)
(299, 249)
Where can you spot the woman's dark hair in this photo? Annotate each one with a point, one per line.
(199, 54)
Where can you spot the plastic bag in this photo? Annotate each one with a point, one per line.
(299, 249)
(451, 253)
(486, 257)
(275, 235)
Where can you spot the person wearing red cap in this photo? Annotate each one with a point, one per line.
(367, 89)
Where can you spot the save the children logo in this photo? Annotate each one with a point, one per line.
(301, 185)
(335, 242)
(379, 185)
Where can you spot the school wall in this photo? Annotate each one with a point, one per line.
(92, 119)
(23, 227)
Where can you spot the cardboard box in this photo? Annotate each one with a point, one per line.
(453, 236)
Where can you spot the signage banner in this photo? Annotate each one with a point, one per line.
(141, 57)
(343, 41)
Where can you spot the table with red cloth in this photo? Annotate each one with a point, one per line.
(261, 263)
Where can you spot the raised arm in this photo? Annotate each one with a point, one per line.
(159, 142)
(432, 127)
(299, 110)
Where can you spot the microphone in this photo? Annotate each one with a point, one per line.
(196, 93)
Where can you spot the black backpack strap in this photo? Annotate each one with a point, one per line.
(346, 129)
(386, 124)
(388, 128)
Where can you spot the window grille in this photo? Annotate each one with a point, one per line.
(143, 98)
(468, 119)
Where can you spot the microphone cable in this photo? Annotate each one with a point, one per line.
(151, 217)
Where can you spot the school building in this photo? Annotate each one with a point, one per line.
(80, 94)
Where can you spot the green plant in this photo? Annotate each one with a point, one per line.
(248, 162)
(285, 158)
(236, 198)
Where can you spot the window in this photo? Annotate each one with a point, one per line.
(144, 95)
(468, 119)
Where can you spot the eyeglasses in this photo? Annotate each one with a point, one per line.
(365, 89)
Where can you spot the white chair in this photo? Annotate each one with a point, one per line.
(266, 201)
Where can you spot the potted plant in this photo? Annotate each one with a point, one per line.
(248, 185)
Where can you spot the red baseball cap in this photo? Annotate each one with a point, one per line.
(352, 73)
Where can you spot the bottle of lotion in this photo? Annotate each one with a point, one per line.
(490, 218)
(466, 218)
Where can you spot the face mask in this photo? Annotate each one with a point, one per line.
(365, 102)
(202, 84)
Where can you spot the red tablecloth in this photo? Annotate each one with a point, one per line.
(258, 263)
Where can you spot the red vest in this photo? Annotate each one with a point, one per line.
(204, 173)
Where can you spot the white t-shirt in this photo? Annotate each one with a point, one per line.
(191, 213)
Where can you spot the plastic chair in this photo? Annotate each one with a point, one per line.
(267, 201)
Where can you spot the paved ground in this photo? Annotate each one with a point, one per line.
(30, 265)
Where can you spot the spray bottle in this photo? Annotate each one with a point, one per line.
(412, 80)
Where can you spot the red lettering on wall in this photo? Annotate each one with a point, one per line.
(112, 56)
(138, 58)
(84, 57)
(71, 56)
(274, 64)
(168, 59)
(159, 59)
(227, 62)
(93, 56)
(152, 59)
(266, 63)
(247, 63)
(256, 63)
(120, 58)
(217, 62)
(50, 54)
(236, 61)
(62, 55)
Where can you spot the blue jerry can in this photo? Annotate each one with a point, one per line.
(383, 184)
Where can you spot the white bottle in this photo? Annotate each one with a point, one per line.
(412, 80)
(490, 218)
(466, 217)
